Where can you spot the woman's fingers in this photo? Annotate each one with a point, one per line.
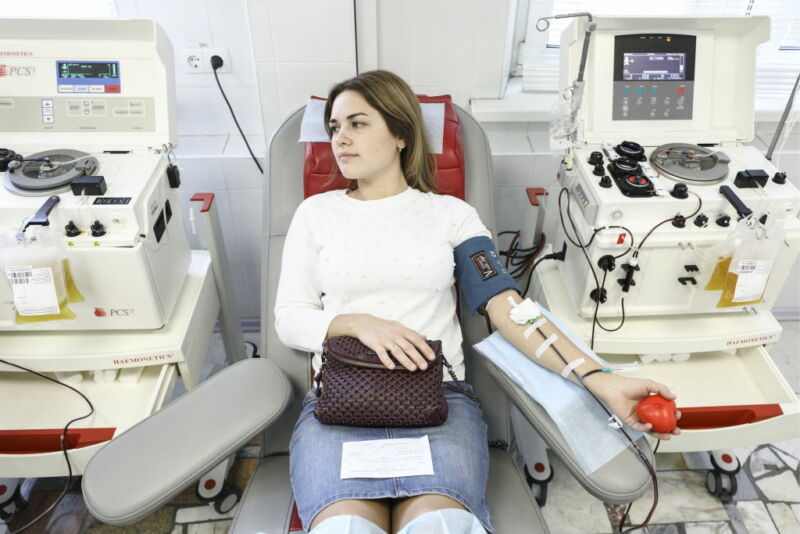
(385, 359)
(412, 352)
(401, 357)
(420, 342)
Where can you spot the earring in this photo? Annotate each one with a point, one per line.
(399, 149)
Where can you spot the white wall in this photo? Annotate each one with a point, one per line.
(286, 50)
(210, 153)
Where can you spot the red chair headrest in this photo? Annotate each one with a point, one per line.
(320, 164)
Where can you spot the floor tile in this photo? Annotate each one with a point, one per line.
(661, 529)
(746, 490)
(764, 462)
(216, 527)
(708, 527)
(782, 487)
(755, 516)
(670, 461)
(565, 497)
(197, 514)
(783, 517)
(682, 495)
(159, 521)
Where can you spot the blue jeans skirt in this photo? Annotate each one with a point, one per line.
(458, 449)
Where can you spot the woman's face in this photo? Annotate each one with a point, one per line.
(361, 142)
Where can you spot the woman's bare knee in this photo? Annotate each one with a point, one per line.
(408, 509)
(375, 510)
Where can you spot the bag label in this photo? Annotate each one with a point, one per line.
(34, 290)
(752, 279)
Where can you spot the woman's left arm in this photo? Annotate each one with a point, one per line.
(621, 394)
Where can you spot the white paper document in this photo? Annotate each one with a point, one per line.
(385, 458)
(34, 290)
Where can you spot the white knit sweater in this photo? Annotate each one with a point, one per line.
(392, 258)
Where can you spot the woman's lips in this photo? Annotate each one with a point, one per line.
(347, 157)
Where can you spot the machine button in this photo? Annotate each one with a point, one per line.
(65, 88)
(98, 230)
(680, 191)
(723, 221)
(136, 112)
(681, 90)
(112, 88)
(626, 90)
(640, 90)
(653, 90)
(595, 158)
(605, 181)
(679, 221)
(779, 178)
(599, 170)
(120, 112)
(47, 103)
(81, 88)
(701, 221)
(136, 104)
(47, 111)
(71, 230)
(48, 119)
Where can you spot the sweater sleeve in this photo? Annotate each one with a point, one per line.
(300, 320)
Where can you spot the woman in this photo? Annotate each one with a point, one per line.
(375, 262)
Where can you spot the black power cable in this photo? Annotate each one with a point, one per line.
(63, 444)
(216, 63)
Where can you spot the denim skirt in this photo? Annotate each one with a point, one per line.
(458, 449)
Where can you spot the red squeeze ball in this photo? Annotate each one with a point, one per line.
(659, 412)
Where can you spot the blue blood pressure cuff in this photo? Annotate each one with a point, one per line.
(479, 273)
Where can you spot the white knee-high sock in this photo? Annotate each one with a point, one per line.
(347, 524)
(446, 521)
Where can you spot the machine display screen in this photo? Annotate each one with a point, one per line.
(88, 69)
(638, 66)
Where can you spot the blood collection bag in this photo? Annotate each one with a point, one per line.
(34, 276)
(747, 268)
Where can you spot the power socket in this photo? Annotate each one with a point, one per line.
(198, 60)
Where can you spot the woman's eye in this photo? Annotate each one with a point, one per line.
(334, 129)
(358, 124)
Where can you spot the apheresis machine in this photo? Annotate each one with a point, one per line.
(98, 286)
(679, 235)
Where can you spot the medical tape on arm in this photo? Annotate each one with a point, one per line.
(546, 345)
(571, 366)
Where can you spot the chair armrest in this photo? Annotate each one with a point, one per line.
(624, 479)
(147, 465)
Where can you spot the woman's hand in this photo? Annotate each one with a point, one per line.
(622, 394)
(390, 339)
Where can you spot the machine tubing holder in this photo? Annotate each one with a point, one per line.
(40, 218)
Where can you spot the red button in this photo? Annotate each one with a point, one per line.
(632, 179)
(681, 90)
(112, 88)
(642, 181)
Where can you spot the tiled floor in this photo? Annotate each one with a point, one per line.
(767, 502)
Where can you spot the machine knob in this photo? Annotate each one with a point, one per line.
(679, 221)
(779, 178)
(701, 221)
(680, 191)
(98, 230)
(723, 221)
(72, 230)
(595, 158)
(599, 170)
(605, 181)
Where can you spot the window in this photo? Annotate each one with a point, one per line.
(778, 60)
(59, 9)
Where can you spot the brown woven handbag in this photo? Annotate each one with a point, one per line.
(358, 390)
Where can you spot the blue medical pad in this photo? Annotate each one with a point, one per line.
(479, 272)
(581, 421)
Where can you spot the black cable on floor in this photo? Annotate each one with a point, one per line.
(63, 444)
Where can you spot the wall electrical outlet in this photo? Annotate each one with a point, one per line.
(198, 60)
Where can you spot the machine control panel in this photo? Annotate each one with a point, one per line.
(653, 76)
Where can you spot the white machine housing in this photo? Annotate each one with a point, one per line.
(131, 276)
(720, 116)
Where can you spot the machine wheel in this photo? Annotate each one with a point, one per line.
(14, 505)
(538, 487)
(228, 497)
(713, 483)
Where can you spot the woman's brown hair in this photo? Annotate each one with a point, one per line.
(398, 105)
